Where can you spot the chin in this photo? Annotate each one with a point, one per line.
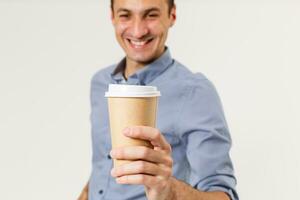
(142, 58)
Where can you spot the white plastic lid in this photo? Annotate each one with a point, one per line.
(117, 90)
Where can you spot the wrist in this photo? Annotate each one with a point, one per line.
(171, 189)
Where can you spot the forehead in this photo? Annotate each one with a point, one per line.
(140, 5)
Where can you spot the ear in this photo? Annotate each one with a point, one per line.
(173, 15)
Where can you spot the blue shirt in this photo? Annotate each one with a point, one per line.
(190, 117)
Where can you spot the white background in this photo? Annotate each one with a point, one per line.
(50, 49)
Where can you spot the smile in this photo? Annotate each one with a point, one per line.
(139, 44)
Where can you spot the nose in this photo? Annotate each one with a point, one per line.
(139, 28)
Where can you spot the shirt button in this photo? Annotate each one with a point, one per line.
(108, 156)
(100, 191)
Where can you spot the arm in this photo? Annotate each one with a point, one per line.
(153, 169)
(84, 193)
(181, 190)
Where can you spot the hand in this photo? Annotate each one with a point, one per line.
(149, 167)
(84, 193)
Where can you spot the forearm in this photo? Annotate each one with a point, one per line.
(181, 191)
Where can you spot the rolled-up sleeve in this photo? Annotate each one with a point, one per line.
(204, 129)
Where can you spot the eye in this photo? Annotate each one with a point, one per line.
(124, 16)
(153, 15)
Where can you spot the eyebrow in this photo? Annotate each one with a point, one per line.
(153, 9)
(122, 10)
(144, 11)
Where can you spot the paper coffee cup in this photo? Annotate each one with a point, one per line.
(130, 105)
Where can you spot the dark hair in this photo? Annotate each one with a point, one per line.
(170, 3)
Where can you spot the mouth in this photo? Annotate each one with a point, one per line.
(139, 44)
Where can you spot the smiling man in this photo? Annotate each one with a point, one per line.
(190, 159)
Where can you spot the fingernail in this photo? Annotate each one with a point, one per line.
(112, 172)
(112, 153)
(126, 131)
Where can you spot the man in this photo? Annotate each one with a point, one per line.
(190, 159)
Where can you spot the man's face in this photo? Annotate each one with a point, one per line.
(141, 27)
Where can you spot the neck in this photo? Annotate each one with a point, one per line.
(133, 66)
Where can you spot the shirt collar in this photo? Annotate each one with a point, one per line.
(146, 74)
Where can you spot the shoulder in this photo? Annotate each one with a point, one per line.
(185, 87)
(192, 82)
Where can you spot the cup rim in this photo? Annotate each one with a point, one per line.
(121, 90)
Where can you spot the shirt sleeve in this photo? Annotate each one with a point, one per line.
(203, 128)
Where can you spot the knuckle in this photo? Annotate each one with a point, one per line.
(142, 166)
(163, 184)
(168, 172)
(169, 162)
(156, 134)
(145, 152)
(142, 178)
(169, 147)
(159, 180)
(153, 181)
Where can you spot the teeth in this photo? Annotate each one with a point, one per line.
(138, 43)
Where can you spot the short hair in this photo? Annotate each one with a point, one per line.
(170, 3)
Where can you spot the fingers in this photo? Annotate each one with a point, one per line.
(142, 153)
(141, 167)
(140, 179)
(148, 133)
(149, 167)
